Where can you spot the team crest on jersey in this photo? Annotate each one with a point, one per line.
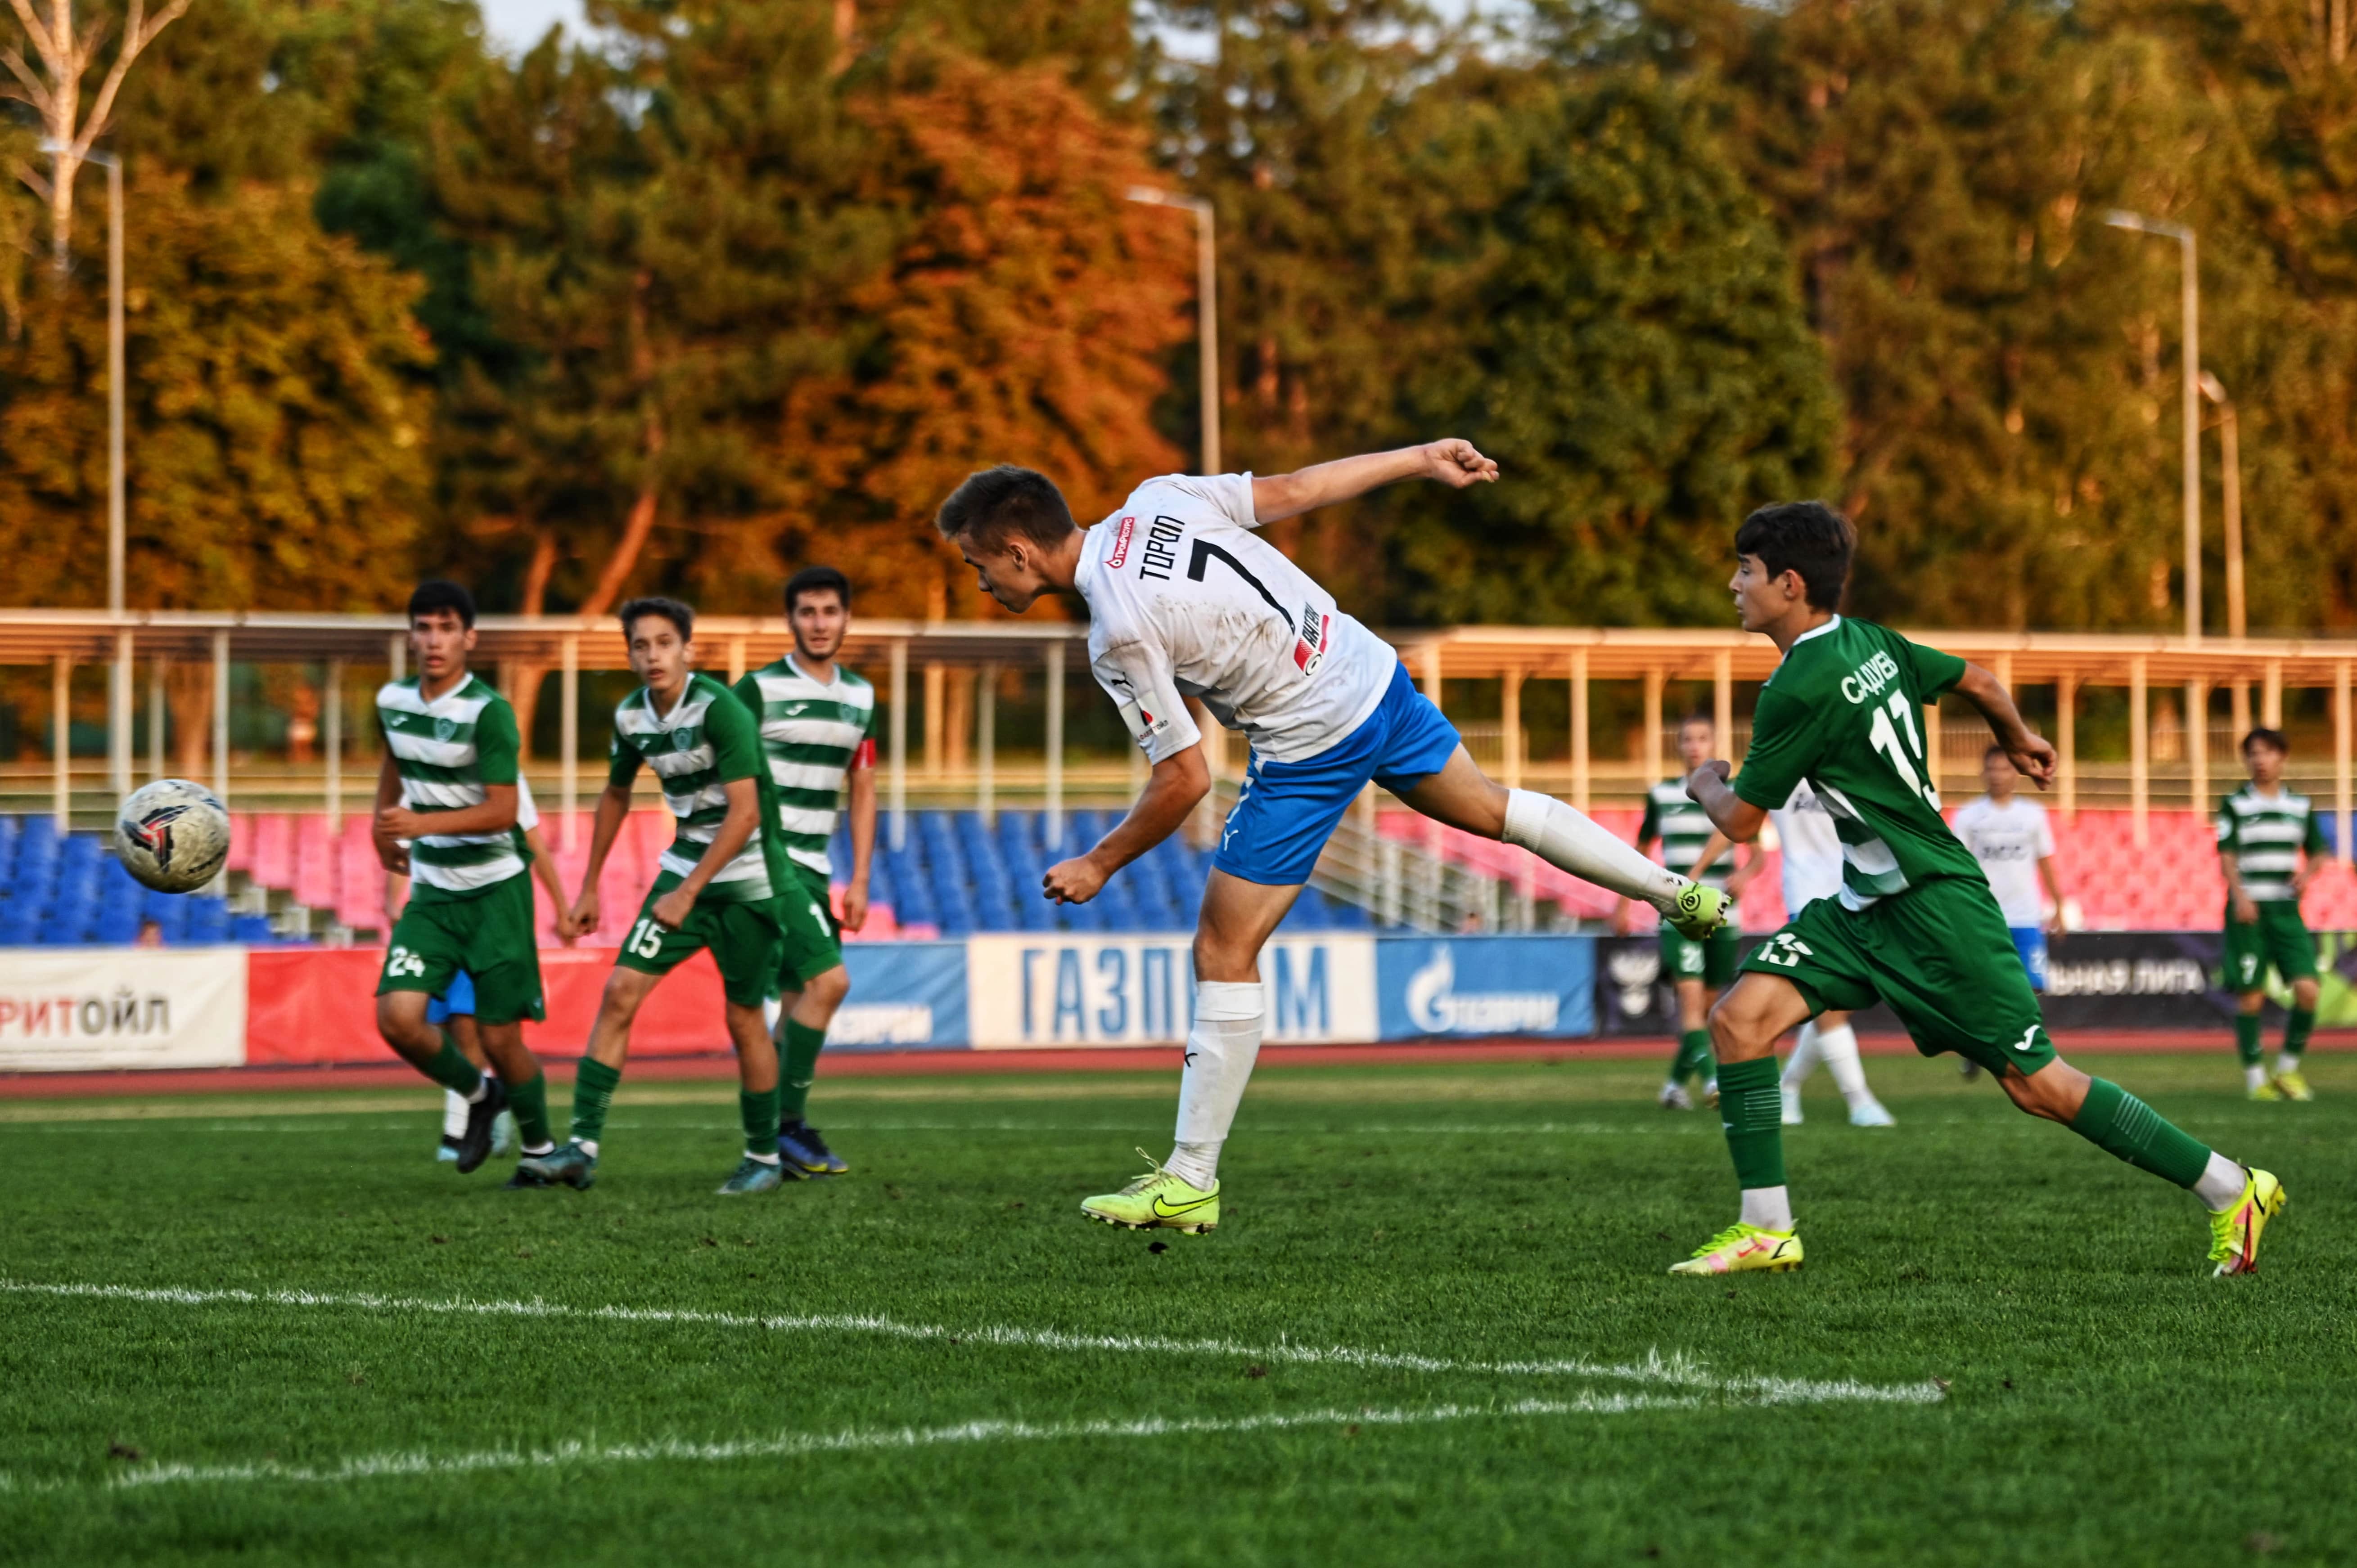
(446, 729)
(682, 740)
(1120, 556)
(1310, 640)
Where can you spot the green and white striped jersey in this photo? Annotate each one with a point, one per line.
(447, 750)
(1683, 827)
(707, 742)
(2265, 833)
(813, 733)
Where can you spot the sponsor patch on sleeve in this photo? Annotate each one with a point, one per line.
(1144, 724)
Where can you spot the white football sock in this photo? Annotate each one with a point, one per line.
(2288, 1061)
(2221, 1183)
(1770, 1207)
(589, 1147)
(454, 1113)
(1570, 842)
(1803, 1059)
(481, 1090)
(1221, 1049)
(2255, 1075)
(1839, 1047)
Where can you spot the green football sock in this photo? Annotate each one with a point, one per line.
(760, 1114)
(592, 1096)
(2114, 1120)
(1694, 1055)
(798, 1068)
(2296, 1029)
(529, 1101)
(1751, 1107)
(453, 1071)
(2247, 1037)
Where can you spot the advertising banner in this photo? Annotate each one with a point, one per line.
(904, 996)
(1486, 985)
(65, 1008)
(1078, 990)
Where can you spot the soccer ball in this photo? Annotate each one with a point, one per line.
(173, 835)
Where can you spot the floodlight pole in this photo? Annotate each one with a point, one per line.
(1207, 307)
(118, 689)
(2191, 401)
(2230, 460)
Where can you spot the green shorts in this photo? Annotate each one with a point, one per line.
(742, 934)
(1711, 961)
(1940, 954)
(487, 934)
(2277, 939)
(813, 942)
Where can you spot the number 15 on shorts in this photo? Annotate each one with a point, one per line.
(1786, 951)
(645, 939)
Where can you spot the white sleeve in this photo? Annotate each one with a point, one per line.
(2045, 833)
(527, 814)
(1136, 676)
(1229, 494)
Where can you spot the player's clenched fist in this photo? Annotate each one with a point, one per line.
(1455, 463)
(1072, 881)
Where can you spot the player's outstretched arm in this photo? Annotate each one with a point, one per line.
(388, 853)
(2032, 754)
(862, 847)
(1736, 818)
(1452, 462)
(613, 811)
(1177, 784)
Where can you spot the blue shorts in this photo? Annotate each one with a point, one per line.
(2029, 941)
(458, 999)
(1287, 810)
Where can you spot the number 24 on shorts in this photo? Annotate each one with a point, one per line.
(401, 961)
(1786, 951)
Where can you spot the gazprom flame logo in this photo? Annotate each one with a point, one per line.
(1438, 1007)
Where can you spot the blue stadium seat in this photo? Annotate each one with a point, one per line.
(253, 929)
(208, 919)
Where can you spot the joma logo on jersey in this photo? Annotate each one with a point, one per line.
(1161, 558)
(1866, 681)
(1120, 556)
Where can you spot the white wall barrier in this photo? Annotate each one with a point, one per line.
(64, 1008)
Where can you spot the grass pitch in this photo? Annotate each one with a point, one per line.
(1434, 1327)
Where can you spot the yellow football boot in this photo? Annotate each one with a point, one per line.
(1741, 1248)
(1159, 1200)
(2234, 1230)
(2292, 1086)
(2266, 1089)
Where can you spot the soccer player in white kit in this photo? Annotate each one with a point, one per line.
(1186, 601)
(2009, 835)
(1812, 870)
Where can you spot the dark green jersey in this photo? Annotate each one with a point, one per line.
(1845, 711)
(2265, 833)
(707, 742)
(1683, 827)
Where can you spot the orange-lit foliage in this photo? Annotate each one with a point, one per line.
(1023, 319)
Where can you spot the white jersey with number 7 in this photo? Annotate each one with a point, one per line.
(1187, 601)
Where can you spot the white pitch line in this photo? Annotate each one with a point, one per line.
(1678, 1369)
(374, 1466)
